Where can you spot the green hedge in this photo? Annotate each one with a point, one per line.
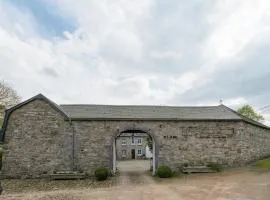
(101, 173)
(164, 171)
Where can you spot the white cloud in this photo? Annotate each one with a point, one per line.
(84, 61)
(112, 57)
(235, 24)
(18, 23)
(235, 102)
(267, 119)
(167, 55)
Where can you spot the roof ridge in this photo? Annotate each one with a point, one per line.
(128, 105)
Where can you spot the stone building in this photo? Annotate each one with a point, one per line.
(131, 146)
(41, 137)
(2, 110)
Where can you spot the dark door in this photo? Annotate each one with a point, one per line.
(133, 153)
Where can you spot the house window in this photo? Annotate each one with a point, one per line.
(132, 140)
(139, 140)
(139, 152)
(124, 153)
(124, 142)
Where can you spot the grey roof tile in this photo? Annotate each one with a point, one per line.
(134, 112)
(149, 112)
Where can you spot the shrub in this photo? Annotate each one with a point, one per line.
(265, 164)
(215, 166)
(185, 165)
(164, 171)
(101, 173)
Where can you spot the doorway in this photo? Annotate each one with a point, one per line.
(132, 154)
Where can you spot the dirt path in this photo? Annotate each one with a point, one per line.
(134, 178)
(134, 172)
(229, 185)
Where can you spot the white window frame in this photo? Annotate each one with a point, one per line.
(124, 154)
(139, 150)
(139, 139)
(124, 142)
(133, 140)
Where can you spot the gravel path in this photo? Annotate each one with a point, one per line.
(230, 185)
(134, 178)
(134, 172)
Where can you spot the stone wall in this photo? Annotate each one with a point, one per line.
(93, 145)
(195, 143)
(37, 141)
(257, 142)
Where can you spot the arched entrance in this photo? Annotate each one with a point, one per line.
(134, 131)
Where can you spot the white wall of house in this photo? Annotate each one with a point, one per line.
(125, 144)
(148, 153)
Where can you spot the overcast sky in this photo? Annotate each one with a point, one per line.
(174, 52)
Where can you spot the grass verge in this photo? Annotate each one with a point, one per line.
(263, 164)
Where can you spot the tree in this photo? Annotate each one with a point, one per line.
(8, 96)
(250, 113)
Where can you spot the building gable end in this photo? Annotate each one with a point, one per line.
(41, 97)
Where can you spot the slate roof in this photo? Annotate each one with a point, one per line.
(132, 112)
(148, 112)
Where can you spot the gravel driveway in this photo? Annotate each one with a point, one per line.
(229, 185)
(133, 165)
(134, 172)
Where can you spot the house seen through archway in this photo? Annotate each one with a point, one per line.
(134, 151)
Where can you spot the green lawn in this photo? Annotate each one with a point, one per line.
(264, 164)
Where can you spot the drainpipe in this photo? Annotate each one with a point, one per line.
(73, 145)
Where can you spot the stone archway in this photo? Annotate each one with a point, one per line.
(112, 160)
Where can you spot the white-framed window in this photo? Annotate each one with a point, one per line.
(139, 140)
(124, 153)
(139, 152)
(124, 142)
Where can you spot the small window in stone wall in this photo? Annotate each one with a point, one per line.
(139, 152)
(139, 140)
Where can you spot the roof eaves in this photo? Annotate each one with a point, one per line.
(146, 119)
(247, 120)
